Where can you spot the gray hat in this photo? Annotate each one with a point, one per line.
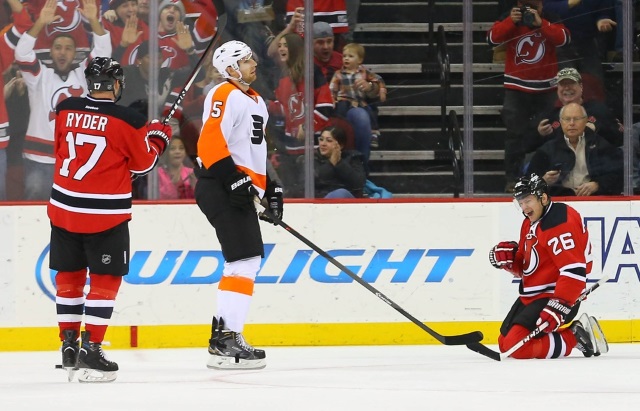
(569, 74)
(177, 3)
(322, 29)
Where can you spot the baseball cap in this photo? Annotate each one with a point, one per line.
(114, 4)
(569, 74)
(322, 29)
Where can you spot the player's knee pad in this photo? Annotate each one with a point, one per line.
(70, 284)
(104, 287)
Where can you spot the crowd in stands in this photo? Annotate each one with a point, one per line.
(550, 67)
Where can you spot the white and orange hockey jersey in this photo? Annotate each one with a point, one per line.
(234, 125)
(46, 89)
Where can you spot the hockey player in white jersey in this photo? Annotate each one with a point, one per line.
(49, 86)
(232, 155)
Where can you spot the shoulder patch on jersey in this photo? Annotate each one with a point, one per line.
(557, 215)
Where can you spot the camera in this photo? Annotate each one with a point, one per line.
(528, 18)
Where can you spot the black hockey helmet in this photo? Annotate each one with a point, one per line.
(102, 73)
(532, 184)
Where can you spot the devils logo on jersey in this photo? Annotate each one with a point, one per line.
(62, 94)
(531, 256)
(69, 18)
(296, 106)
(530, 49)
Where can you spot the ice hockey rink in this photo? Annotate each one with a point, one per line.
(428, 377)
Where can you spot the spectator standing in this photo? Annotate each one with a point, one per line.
(586, 20)
(232, 155)
(48, 86)
(127, 31)
(350, 88)
(98, 145)
(530, 67)
(8, 40)
(580, 162)
(290, 97)
(553, 259)
(70, 21)
(570, 90)
(339, 173)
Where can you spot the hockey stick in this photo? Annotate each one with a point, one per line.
(494, 355)
(462, 339)
(222, 22)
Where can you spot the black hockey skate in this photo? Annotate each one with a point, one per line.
(581, 328)
(94, 366)
(70, 349)
(229, 350)
(600, 342)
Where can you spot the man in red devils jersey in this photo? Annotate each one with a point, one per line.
(98, 146)
(232, 155)
(552, 259)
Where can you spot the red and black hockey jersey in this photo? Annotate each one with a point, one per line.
(333, 12)
(8, 41)
(554, 255)
(531, 61)
(98, 144)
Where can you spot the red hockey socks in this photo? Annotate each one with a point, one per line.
(70, 299)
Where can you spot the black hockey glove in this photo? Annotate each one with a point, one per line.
(241, 191)
(275, 204)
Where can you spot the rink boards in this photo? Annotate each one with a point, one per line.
(430, 258)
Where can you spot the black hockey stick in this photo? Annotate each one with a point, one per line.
(222, 22)
(494, 355)
(469, 338)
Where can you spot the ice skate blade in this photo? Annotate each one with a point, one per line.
(601, 345)
(71, 372)
(89, 375)
(219, 362)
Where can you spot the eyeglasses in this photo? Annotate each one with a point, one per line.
(572, 119)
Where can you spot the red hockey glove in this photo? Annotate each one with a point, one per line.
(241, 191)
(275, 203)
(503, 255)
(158, 135)
(554, 313)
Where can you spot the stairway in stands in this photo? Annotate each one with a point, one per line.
(413, 159)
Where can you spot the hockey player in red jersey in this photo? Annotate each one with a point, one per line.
(98, 146)
(232, 155)
(552, 259)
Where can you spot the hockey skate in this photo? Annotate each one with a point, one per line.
(93, 365)
(230, 351)
(581, 328)
(601, 346)
(591, 339)
(70, 349)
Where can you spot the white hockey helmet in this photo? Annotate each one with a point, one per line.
(228, 55)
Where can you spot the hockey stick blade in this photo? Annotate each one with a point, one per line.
(220, 26)
(462, 339)
(498, 356)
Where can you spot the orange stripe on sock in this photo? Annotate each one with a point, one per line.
(241, 285)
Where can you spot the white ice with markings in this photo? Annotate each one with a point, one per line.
(431, 377)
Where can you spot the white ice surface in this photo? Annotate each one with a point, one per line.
(432, 377)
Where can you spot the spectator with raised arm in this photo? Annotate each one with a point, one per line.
(8, 41)
(127, 31)
(580, 162)
(528, 75)
(48, 86)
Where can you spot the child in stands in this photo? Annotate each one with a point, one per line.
(352, 86)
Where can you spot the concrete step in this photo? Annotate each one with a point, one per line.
(444, 11)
